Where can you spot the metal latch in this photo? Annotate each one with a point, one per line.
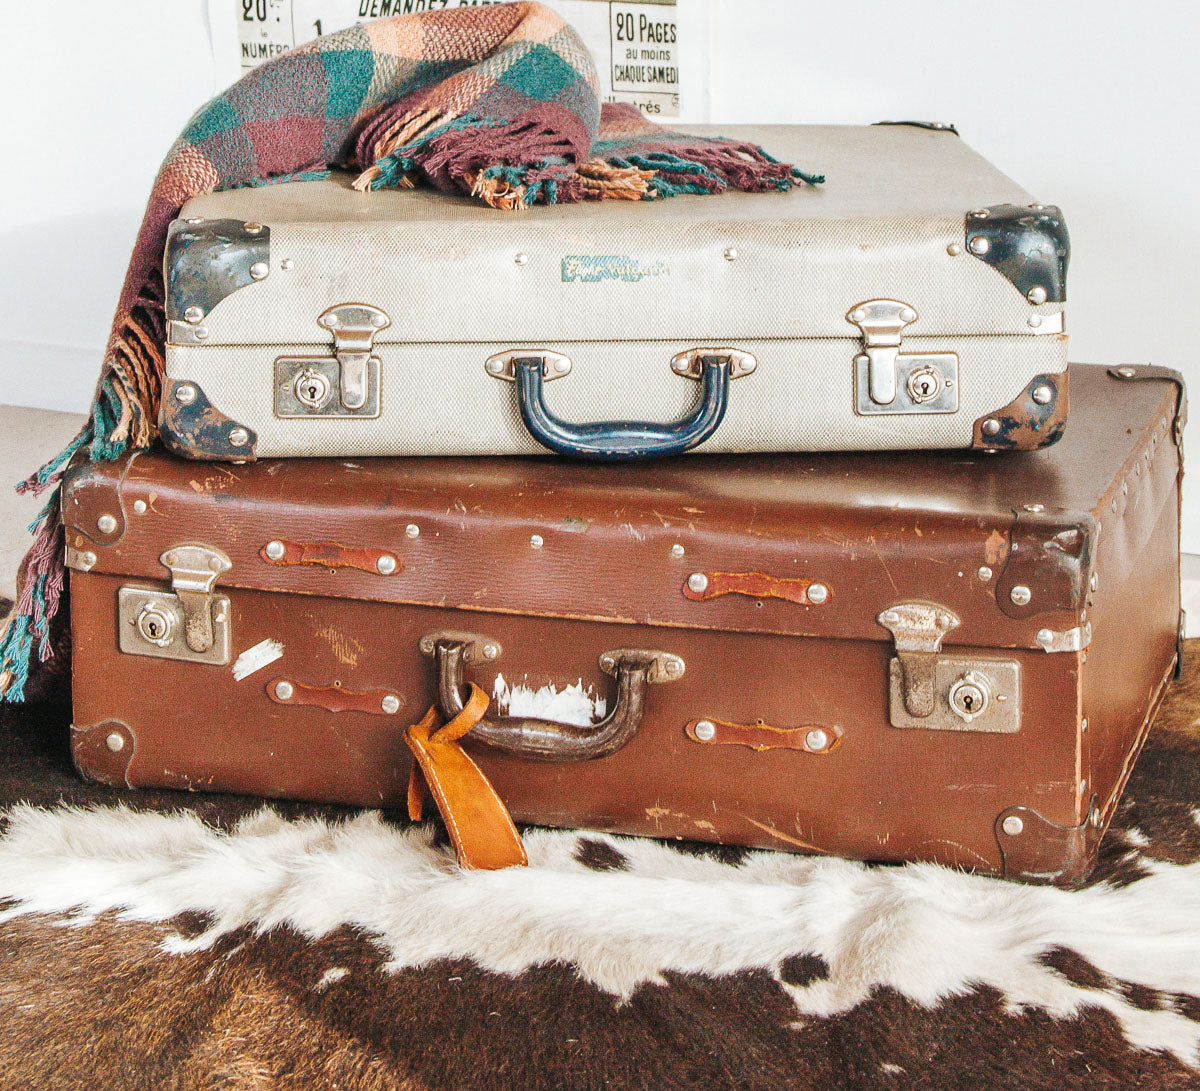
(890, 381)
(345, 384)
(946, 693)
(190, 622)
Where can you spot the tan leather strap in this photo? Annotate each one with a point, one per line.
(479, 824)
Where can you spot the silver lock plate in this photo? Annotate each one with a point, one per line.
(150, 622)
(307, 386)
(916, 373)
(964, 681)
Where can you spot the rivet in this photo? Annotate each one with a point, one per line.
(730, 253)
(891, 617)
(88, 560)
(698, 583)
(1126, 372)
(329, 320)
(954, 249)
(1020, 595)
(1084, 725)
(1037, 207)
(386, 565)
(275, 550)
(907, 314)
(252, 228)
(193, 220)
(979, 245)
(239, 437)
(106, 524)
(985, 573)
(378, 321)
(1036, 295)
(816, 739)
(990, 427)
(536, 541)
(495, 366)
(944, 621)
(139, 507)
(284, 690)
(673, 666)
(491, 651)
(185, 394)
(1034, 321)
(1043, 395)
(859, 315)
(1094, 582)
(705, 730)
(521, 258)
(980, 214)
(817, 593)
(561, 367)
(200, 333)
(286, 264)
(677, 550)
(390, 704)
(1035, 508)
(1012, 825)
(1082, 787)
(193, 314)
(412, 531)
(115, 742)
(1045, 636)
(259, 270)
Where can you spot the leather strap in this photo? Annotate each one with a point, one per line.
(479, 824)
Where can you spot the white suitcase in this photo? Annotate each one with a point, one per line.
(915, 300)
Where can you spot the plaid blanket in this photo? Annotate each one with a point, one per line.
(498, 102)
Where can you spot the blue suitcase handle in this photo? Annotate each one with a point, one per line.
(622, 440)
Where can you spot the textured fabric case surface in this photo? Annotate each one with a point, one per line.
(620, 288)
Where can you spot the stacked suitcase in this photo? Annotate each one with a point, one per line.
(946, 643)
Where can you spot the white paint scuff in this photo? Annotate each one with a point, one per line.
(925, 931)
(254, 659)
(570, 705)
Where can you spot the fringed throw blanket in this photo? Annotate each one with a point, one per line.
(498, 102)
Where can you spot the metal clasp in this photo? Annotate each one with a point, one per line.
(889, 381)
(190, 622)
(917, 630)
(304, 385)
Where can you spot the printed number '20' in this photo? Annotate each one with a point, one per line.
(254, 9)
(625, 26)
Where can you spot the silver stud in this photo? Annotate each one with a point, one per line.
(1034, 320)
(1036, 295)
(954, 249)
(412, 531)
(985, 573)
(200, 333)
(990, 427)
(1037, 207)
(698, 583)
(521, 258)
(386, 565)
(193, 220)
(705, 730)
(816, 739)
(536, 541)
(1045, 636)
(673, 666)
(730, 253)
(390, 704)
(115, 742)
(139, 507)
(185, 394)
(561, 367)
(252, 228)
(891, 617)
(1094, 582)
(1126, 372)
(329, 320)
(1084, 725)
(286, 264)
(858, 315)
(980, 214)
(1034, 508)
(907, 314)
(284, 690)
(1012, 825)
(491, 651)
(379, 321)
(1020, 595)
(239, 437)
(677, 550)
(1042, 395)
(193, 314)
(88, 560)
(259, 270)
(979, 245)
(817, 593)
(494, 366)
(106, 524)
(275, 550)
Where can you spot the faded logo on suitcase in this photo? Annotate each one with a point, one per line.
(590, 268)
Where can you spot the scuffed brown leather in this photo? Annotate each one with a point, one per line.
(479, 825)
(759, 737)
(334, 698)
(757, 585)
(329, 555)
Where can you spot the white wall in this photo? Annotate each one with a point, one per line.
(1090, 105)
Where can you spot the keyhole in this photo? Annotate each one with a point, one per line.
(152, 628)
(968, 702)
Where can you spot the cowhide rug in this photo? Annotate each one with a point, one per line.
(162, 940)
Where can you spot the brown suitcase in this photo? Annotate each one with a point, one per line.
(954, 660)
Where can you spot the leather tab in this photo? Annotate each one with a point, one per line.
(480, 827)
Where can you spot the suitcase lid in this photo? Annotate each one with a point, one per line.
(732, 543)
(907, 214)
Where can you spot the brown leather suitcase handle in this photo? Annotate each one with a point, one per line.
(535, 739)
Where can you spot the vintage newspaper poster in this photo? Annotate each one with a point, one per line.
(636, 43)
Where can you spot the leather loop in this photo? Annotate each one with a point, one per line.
(479, 824)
